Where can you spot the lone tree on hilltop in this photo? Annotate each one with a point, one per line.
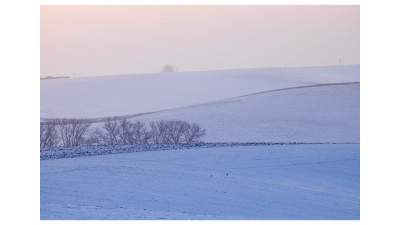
(168, 68)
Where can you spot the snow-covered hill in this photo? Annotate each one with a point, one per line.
(93, 97)
(311, 114)
(307, 181)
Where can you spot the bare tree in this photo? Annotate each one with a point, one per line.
(96, 137)
(155, 134)
(194, 133)
(176, 130)
(168, 68)
(146, 138)
(158, 132)
(48, 135)
(163, 132)
(139, 132)
(126, 133)
(133, 133)
(112, 132)
(72, 131)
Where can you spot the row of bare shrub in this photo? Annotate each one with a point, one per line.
(75, 132)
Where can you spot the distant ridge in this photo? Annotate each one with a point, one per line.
(118, 95)
(51, 77)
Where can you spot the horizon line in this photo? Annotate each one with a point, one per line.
(285, 66)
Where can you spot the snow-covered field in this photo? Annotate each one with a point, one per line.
(307, 104)
(93, 97)
(319, 181)
(288, 181)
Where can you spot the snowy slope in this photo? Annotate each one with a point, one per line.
(119, 95)
(253, 182)
(312, 114)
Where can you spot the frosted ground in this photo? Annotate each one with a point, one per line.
(310, 104)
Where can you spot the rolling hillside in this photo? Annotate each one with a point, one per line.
(312, 114)
(282, 181)
(118, 95)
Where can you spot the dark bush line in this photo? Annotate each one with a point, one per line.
(77, 132)
(59, 152)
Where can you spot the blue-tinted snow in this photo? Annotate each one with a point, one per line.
(319, 181)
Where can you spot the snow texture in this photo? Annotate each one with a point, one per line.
(319, 181)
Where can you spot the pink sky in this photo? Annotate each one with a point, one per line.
(102, 40)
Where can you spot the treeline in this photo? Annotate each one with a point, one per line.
(76, 132)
